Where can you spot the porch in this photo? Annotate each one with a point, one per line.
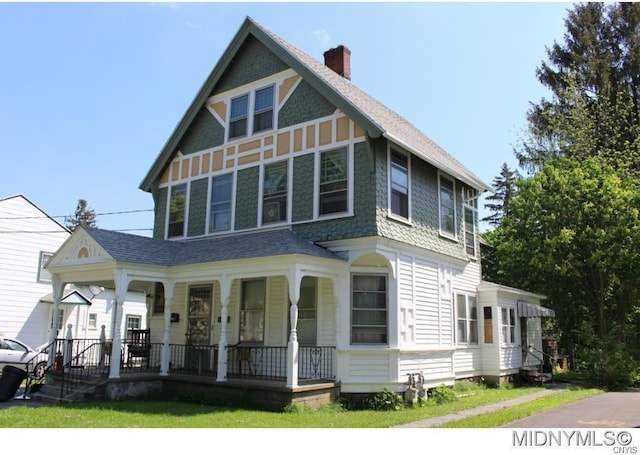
(255, 375)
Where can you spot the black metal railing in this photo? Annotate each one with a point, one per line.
(78, 360)
(315, 363)
(257, 362)
(193, 360)
(137, 359)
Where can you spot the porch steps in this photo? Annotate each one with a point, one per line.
(88, 388)
(533, 375)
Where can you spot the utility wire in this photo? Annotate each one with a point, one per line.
(71, 216)
(61, 231)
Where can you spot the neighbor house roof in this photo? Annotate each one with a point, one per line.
(145, 250)
(373, 116)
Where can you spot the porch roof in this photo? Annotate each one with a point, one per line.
(145, 250)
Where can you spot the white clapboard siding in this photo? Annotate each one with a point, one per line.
(25, 232)
(276, 311)
(370, 367)
(326, 313)
(436, 367)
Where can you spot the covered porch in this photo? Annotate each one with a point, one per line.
(252, 307)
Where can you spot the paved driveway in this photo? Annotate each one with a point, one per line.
(607, 410)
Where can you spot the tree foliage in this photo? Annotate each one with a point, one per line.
(83, 216)
(574, 235)
(506, 187)
(594, 78)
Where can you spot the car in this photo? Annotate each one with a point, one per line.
(18, 354)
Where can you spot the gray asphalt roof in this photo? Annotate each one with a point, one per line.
(145, 250)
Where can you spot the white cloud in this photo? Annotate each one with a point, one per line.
(190, 24)
(322, 35)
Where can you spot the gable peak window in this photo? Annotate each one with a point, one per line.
(263, 109)
(399, 197)
(238, 116)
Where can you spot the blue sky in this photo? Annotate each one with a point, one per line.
(90, 92)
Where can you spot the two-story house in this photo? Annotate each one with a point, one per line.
(305, 231)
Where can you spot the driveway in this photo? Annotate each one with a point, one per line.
(607, 410)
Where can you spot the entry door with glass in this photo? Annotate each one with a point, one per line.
(199, 316)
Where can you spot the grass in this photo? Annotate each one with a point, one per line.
(506, 415)
(156, 414)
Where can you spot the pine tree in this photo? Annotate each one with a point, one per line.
(506, 187)
(83, 216)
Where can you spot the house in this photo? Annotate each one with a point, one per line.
(305, 233)
(28, 239)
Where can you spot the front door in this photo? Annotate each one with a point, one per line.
(199, 316)
(198, 355)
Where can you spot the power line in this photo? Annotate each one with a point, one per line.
(71, 216)
(63, 231)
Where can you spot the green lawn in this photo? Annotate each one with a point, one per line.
(155, 414)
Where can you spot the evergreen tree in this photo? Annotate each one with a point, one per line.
(83, 216)
(506, 187)
(594, 76)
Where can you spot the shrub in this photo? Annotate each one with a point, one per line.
(442, 394)
(386, 401)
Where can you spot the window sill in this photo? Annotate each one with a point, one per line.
(399, 219)
(449, 237)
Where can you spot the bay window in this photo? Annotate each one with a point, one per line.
(467, 318)
(369, 309)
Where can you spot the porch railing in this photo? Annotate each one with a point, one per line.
(315, 363)
(193, 360)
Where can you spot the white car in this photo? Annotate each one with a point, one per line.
(18, 354)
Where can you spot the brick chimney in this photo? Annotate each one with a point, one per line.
(339, 60)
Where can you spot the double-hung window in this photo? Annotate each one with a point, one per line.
(252, 305)
(508, 325)
(220, 213)
(43, 274)
(177, 209)
(252, 112)
(467, 317)
(447, 207)
(399, 184)
(263, 109)
(369, 309)
(333, 191)
(470, 215)
(274, 199)
(238, 116)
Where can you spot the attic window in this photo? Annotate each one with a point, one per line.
(238, 117)
(263, 109)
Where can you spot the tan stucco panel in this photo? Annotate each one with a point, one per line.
(297, 140)
(165, 176)
(325, 133)
(252, 145)
(286, 86)
(268, 140)
(195, 166)
(283, 143)
(221, 109)
(185, 168)
(358, 132)
(311, 136)
(206, 163)
(175, 170)
(230, 164)
(248, 159)
(342, 129)
(268, 154)
(217, 160)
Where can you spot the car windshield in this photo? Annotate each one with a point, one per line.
(13, 345)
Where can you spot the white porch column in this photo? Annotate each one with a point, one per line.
(166, 338)
(57, 286)
(225, 295)
(295, 278)
(122, 284)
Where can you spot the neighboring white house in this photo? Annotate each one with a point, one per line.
(28, 239)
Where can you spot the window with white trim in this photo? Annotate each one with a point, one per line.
(467, 318)
(177, 210)
(446, 196)
(470, 216)
(134, 322)
(274, 194)
(43, 274)
(307, 311)
(399, 184)
(220, 208)
(263, 109)
(334, 182)
(92, 321)
(238, 116)
(252, 308)
(369, 309)
(508, 325)
(60, 325)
